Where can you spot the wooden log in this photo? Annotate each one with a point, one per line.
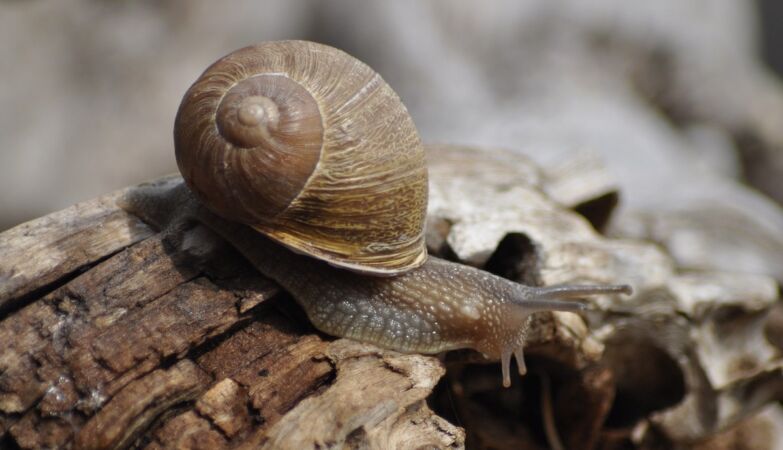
(147, 329)
(118, 335)
(43, 251)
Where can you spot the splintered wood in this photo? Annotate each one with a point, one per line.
(117, 336)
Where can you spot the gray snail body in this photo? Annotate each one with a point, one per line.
(413, 303)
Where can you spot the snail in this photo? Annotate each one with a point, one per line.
(317, 156)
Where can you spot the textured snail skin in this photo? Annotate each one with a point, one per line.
(436, 307)
(311, 147)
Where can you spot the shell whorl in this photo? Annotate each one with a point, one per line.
(248, 121)
(311, 147)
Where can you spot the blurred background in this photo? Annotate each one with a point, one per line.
(674, 107)
(676, 98)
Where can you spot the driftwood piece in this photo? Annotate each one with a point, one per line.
(167, 338)
(118, 336)
(45, 250)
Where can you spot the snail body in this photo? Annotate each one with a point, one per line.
(311, 148)
(436, 307)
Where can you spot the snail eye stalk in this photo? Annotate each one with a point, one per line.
(555, 298)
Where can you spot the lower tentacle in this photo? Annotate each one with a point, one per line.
(505, 365)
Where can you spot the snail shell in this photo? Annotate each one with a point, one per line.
(311, 147)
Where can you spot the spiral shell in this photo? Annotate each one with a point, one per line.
(311, 147)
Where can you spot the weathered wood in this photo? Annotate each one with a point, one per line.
(43, 251)
(171, 342)
(175, 341)
(139, 403)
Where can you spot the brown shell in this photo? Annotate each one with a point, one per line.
(312, 148)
